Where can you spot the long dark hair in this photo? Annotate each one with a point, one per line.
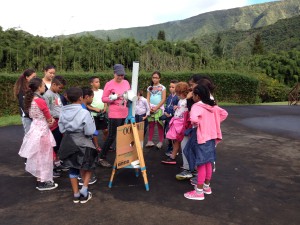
(21, 84)
(33, 86)
(203, 92)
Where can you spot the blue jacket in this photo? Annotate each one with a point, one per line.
(172, 100)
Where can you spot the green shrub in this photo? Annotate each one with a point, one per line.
(231, 87)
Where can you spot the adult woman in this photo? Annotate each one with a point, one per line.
(20, 88)
(117, 111)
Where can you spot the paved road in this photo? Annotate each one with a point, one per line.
(257, 181)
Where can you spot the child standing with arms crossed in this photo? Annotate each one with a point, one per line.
(207, 117)
(156, 97)
(177, 123)
(38, 142)
(172, 101)
(77, 148)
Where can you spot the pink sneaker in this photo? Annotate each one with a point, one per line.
(207, 191)
(193, 195)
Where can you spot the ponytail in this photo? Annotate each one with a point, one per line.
(203, 92)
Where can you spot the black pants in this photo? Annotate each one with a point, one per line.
(112, 134)
(58, 137)
(139, 118)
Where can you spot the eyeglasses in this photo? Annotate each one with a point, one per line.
(155, 78)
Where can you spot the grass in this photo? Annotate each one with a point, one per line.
(16, 120)
(10, 120)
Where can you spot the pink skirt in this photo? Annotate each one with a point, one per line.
(37, 148)
(176, 130)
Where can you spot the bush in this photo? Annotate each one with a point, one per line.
(231, 87)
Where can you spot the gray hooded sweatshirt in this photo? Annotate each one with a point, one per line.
(74, 118)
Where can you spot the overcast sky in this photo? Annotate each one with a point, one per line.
(58, 17)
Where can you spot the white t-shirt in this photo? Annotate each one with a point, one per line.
(97, 101)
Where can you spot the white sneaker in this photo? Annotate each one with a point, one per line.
(159, 145)
(150, 144)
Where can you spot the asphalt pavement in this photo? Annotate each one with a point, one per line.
(257, 181)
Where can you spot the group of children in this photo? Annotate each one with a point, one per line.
(60, 136)
(188, 118)
(191, 122)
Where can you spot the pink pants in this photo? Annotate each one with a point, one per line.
(160, 131)
(204, 172)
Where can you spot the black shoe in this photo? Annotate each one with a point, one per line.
(76, 199)
(170, 161)
(61, 167)
(104, 163)
(45, 186)
(86, 199)
(56, 174)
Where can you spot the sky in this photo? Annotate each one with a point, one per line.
(62, 17)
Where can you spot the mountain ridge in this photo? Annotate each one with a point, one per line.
(242, 18)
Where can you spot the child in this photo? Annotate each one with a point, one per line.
(77, 149)
(172, 101)
(207, 117)
(156, 97)
(98, 110)
(195, 79)
(142, 110)
(88, 95)
(177, 123)
(20, 87)
(53, 100)
(38, 142)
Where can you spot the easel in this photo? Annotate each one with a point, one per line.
(131, 97)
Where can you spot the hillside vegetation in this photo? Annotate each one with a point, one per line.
(243, 18)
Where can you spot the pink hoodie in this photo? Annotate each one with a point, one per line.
(208, 120)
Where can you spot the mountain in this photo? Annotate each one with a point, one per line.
(243, 18)
(284, 35)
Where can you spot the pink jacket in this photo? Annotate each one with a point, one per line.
(208, 120)
(117, 108)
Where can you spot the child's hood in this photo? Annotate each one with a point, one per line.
(69, 112)
(205, 106)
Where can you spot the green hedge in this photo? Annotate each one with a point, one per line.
(230, 87)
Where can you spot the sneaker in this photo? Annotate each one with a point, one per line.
(207, 190)
(194, 181)
(76, 199)
(168, 154)
(159, 145)
(185, 174)
(61, 167)
(86, 199)
(92, 180)
(56, 174)
(150, 144)
(214, 166)
(194, 195)
(169, 161)
(104, 163)
(45, 186)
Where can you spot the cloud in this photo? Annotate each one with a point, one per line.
(58, 17)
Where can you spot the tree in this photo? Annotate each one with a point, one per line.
(257, 46)
(218, 49)
(161, 35)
